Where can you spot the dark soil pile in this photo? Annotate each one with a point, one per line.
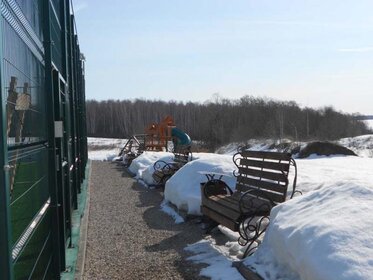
(324, 148)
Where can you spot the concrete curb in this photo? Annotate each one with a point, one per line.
(79, 272)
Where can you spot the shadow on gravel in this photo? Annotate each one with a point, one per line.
(147, 197)
(118, 165)
(182, 234)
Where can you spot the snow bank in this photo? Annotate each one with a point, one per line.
(317, 172)
(142, 166)
(183, 189)
(324, 235)
(361, 145)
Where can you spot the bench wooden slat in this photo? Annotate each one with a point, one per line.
(234, 200)
(275, 197)
(225, 221)
(244, 182)
(180, 161)
(266, 155)
(226, 202)
(280, 166)
(263, 174)
(220, 206)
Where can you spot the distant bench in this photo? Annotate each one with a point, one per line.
(164, 170)
(262, 183)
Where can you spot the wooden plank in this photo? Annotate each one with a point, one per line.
(221, 219)
(226, 202)
(279, 166)
(267, 155)
(230, 199)
(275, 197)
(257, 202)
(222, 209)
(244, 182)
(263, 174)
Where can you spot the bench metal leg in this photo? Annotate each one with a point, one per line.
(207, 224)
(251, 229)
(211, 226)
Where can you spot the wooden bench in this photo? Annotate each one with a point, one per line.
(164, 170)
(262, 183)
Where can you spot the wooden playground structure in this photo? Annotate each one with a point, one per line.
(162, 136)
(158, 135)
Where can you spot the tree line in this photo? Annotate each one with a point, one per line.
(221, 121)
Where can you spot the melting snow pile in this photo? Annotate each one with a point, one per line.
(183, 189)
(361, 145)
(326, 234)
(143, 168)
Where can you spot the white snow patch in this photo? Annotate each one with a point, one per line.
(361, 145)
(219, 266)
(170, 211)
(102, 155)
(369, 123)
(104, 149)
(141, 182)
(142, 166)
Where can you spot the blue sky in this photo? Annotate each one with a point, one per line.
(314, 52)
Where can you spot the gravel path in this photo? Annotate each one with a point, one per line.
(128, 236)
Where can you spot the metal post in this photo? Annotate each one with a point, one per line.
(6, 267)
(51, 141)
(72, 91)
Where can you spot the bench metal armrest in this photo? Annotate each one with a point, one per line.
(292, 162)
(161, 165)
(246, 203)
(216, 187)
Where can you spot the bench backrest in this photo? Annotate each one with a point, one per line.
(265, 174)
(181, 156)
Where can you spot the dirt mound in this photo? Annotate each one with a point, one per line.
(325, 149)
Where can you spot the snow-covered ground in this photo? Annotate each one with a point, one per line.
(327, 233)
(361, 145)
(369, 123)
(104, 148)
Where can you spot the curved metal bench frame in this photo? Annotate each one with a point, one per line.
(247, 209)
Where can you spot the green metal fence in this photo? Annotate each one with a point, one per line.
(43, 151)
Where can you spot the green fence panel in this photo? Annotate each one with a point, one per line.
(42, 173)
